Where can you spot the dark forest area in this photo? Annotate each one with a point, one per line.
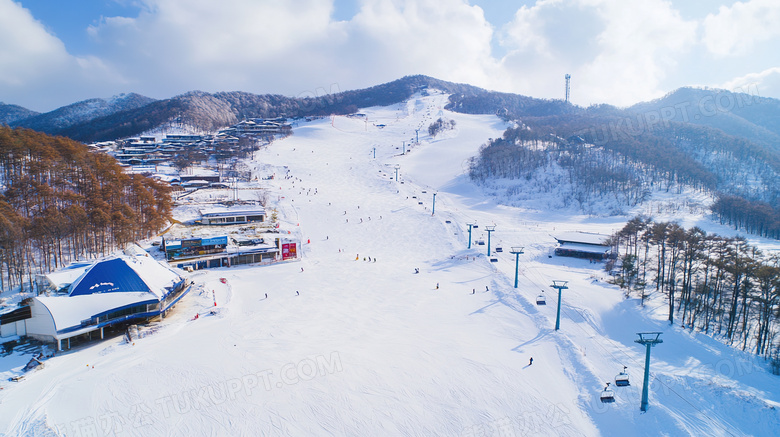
(61, 202)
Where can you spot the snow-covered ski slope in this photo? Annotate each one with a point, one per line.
(344, 346)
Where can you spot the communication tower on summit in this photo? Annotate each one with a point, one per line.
(568, 78)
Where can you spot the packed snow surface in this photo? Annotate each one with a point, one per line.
(347, 346)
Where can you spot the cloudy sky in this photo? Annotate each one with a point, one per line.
(55, 52)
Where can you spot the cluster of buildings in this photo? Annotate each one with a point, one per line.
(148, 151)
(225, 250)
(94, 298)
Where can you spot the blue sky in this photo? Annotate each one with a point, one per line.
(53, 52)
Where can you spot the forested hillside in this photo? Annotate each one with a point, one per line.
(743, 114)
(718, 285)
(606, 152)
(59, 202)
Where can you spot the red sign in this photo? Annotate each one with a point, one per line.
(289, 251)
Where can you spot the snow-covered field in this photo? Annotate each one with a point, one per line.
(344, 346)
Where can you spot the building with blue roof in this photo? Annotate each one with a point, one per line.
(113, 292)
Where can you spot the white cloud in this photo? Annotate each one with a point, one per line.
(289, 47)
(737, 29)
(764, 84)
(447, 39)
(35, 63)
(26, 49)
(617, 51)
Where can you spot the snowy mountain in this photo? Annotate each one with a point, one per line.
(12, 113)
(206, 111)
(62, 118)
(741, 114)
(346, 346)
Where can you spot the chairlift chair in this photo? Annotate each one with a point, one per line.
(541, 300)
(622, 379)
(481, 242)
(494, 260)
(499, 249)
(607, 395)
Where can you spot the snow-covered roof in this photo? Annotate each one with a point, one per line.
(70, 311)
(130, 279)
(201, 172)
(66, 276)
(582, 237)
(123, 274)
(586, 248)
(218, 211)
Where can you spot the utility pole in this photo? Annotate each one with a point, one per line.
(374, 152)
(516, 251)
(433, 210)
(471, 225)
(649, 339)
(489, 230)
(560, 285)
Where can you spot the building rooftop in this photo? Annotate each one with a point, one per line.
(582, 237)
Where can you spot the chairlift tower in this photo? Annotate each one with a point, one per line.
(489, 230)
(433, 209)
(568, 79)
(397, 166)
(649, 339)
(560, 285)
(471, 225)
(516, 251)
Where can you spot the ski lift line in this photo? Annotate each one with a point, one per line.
(629, 357)
(622, 349)
(619, 346)
(653, 374)
(616, 344)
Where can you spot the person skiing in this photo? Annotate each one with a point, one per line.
(296, 293)
(473, 290)
(266, 295)
(486, 289)
(437, 285)
(531, 361)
